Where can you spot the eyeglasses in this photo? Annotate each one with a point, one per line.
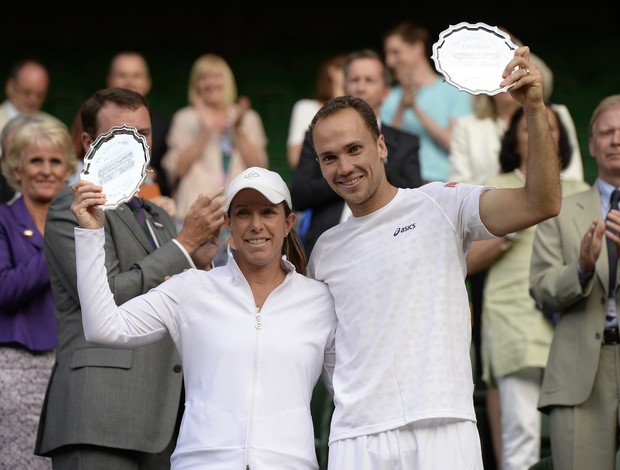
(29, 93)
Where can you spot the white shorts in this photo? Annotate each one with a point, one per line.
(423, 445)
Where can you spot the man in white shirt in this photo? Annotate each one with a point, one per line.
(403, 386)
(25, 89)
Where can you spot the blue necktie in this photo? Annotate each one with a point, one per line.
(611, 317)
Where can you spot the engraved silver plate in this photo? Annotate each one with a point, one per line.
(472, 57)
(117, 160)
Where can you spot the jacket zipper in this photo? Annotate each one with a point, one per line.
(258, 325)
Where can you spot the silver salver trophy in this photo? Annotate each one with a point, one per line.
(472, 57)
(118, 161)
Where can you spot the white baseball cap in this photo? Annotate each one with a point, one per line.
(269, 183)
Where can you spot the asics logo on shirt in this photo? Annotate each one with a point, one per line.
(404, 229)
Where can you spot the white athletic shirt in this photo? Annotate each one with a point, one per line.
(247, 389)
(404, 323)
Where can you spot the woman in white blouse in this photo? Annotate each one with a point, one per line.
(254, 335)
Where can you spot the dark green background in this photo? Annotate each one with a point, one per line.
(275, 58)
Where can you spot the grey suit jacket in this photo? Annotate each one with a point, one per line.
(119, 398)
(554, 284)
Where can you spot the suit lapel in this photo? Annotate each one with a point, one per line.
(164, 230)
(587, 208)
(389, 138)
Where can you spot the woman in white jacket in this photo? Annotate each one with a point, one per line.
(254, 335)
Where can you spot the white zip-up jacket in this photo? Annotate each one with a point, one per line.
(249, 375)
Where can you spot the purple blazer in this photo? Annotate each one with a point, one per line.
(26, 303)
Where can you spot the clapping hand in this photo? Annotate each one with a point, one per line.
(207, 117)
(242, 105)
(410, 90)
(590, 247)
(201, 226)
(204, 255)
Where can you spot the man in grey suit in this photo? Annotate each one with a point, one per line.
(116, 408)
(569, 276)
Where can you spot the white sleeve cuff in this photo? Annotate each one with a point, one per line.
(182, 248)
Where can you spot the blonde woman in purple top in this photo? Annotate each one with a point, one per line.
(39, 162)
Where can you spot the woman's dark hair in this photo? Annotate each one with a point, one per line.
(509, 157)
(121, 97)
(324, 88)
(293, 247)
(412, 32)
